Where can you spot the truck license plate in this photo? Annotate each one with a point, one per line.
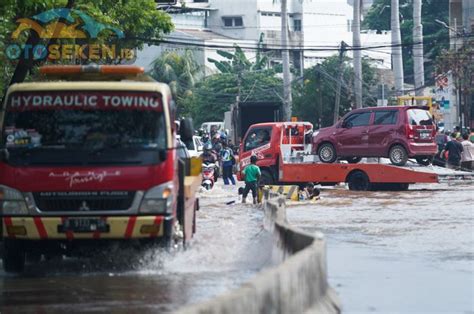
(424, 135)
(83, 225)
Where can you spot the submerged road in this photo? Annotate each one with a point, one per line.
(230, 246)
(397, 252)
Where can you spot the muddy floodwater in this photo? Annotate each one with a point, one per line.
(229, 248)
(397, 252)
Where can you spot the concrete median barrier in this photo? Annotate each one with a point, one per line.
(297, 285)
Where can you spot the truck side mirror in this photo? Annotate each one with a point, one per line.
(186, 130)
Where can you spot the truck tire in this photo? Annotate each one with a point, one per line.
(14, 256)
(398, 155)
(353, 160)
(424, 160)
(358, 181)
(327, 153)
(267, 178)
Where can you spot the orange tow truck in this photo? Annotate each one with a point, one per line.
(285, 157)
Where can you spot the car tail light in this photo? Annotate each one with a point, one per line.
(410, 132)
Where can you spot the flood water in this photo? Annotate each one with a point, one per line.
(397, 252)
(230, 246)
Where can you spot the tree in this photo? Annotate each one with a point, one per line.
(180, 72)
(460, 63)
(237, 62)
(435, 38)
(319, 88)
(139, 20)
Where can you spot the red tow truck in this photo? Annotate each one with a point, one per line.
(285, 156)
(88, 156)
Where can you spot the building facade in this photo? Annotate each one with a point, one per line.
(316, 29)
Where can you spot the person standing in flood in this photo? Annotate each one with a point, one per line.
(252, 176)
(454, 149)
(227, 157)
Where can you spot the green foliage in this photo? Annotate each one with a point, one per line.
(138, 19)
(180, 72)
(237, 62)
(461, 65)
(320, 84)
(436, 37)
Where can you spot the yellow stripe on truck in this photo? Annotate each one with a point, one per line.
(289, 191)
(118, 228)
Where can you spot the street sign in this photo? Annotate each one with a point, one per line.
(166, 2)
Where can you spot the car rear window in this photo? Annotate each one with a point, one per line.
(419, 117)
(386, 117)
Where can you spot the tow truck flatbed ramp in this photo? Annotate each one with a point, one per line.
(363, 176)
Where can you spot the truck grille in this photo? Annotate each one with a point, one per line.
(83, 201)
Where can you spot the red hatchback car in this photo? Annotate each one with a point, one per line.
(396, 132)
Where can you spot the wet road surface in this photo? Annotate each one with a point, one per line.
(397, 252)
(230, 246)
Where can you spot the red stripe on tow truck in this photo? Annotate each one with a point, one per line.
(157, 222)
(40, 227)
(69, 234)
(130, 226)
(96, 234)
(8, 222)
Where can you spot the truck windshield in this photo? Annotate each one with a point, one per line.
(84, 128)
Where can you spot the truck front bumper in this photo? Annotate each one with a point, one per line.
(53, 228)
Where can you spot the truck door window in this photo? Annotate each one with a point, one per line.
(256, 138)
(386, 117)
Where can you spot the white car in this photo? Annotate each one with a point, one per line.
(195, 147)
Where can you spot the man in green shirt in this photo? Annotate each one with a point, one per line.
(252, 175)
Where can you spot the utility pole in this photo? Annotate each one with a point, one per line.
(418, 67)
(237, 128)
(397, 58)
(285, 55)
(339, 82)
(357, 54)
(320, 94)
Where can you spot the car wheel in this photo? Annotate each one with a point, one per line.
(398, 155)
(327, 153)
(353, 160)
(14, 256)
(424, 160)
(266, 178)
(358, 181)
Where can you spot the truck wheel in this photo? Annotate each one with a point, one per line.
(267, 178)
(14, 256)
(398, 155)
(353, 160)
(327, 153)
(424, 160)
(358, 181)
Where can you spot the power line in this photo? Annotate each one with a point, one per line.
(277, 47)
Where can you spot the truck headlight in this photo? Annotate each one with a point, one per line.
(12, 202)
(158, 200)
